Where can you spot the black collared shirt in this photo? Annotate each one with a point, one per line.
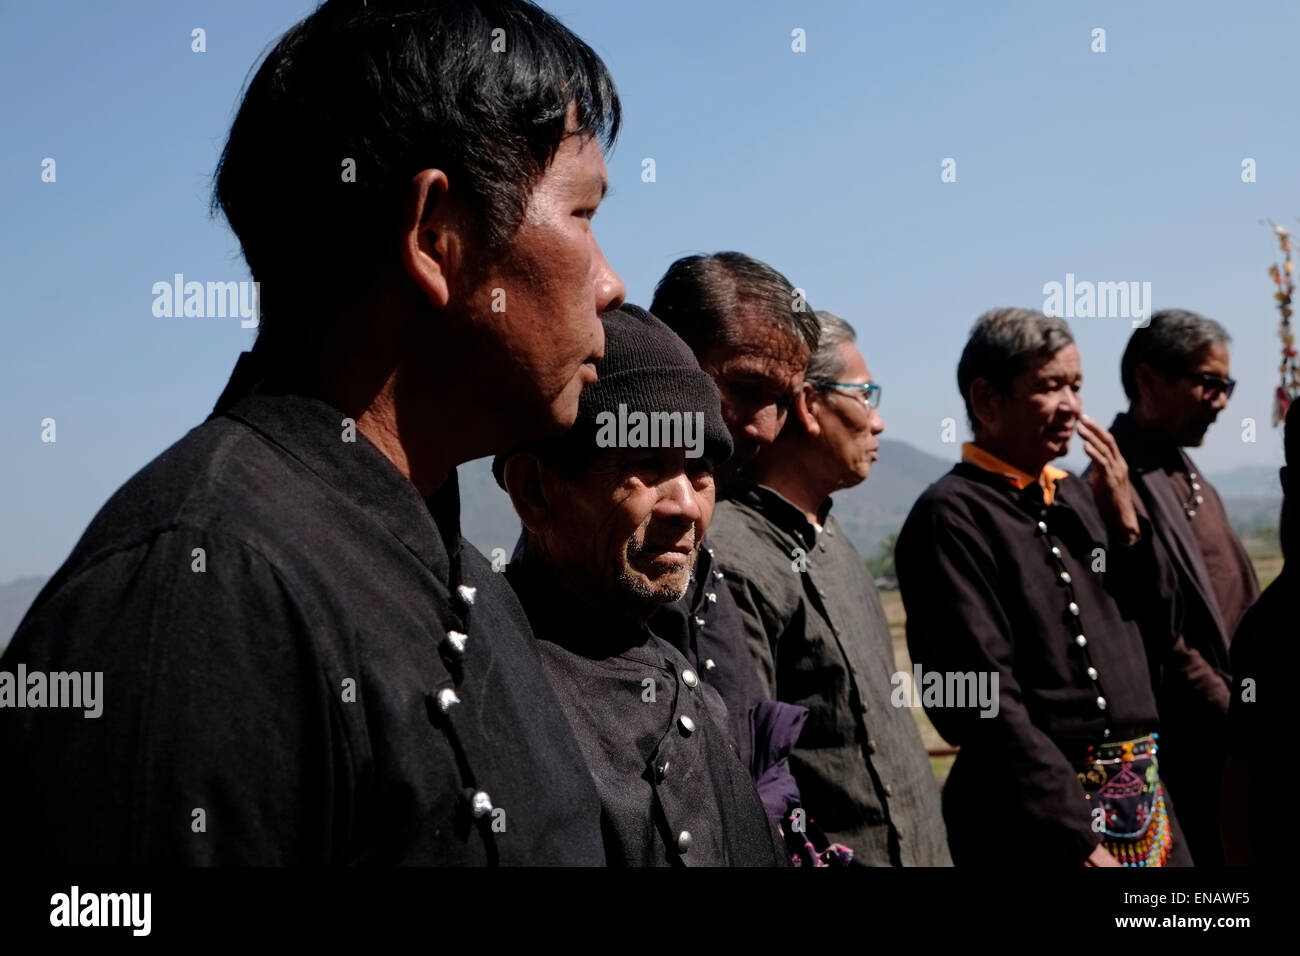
(996, 582)
(819, 638)
(673, 789)
(304, 663)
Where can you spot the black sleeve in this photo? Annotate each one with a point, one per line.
(216, 738)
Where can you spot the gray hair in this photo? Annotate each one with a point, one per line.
(1168, 343)
(1003, 343)
(826, 364)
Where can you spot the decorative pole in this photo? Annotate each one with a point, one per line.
(1288, 388)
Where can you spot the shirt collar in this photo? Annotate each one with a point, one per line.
(312, 432)
(778, 509)
(1047, 478)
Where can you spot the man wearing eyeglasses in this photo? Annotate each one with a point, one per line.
(1175, 373)
(816, 628)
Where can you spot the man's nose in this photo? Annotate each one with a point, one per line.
(679, 499)
(1220, 401)
(610, 291)
(877, 423)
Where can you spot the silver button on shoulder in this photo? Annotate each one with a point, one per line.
(684, 841)
(1101, 703)
(1081, 640)
(446, 699)
(1092, 673)
(689, 678)
(1065, 577)
(1042, 527)
(686, 724)
(481, 804)
(1074, 608)
(708, 664)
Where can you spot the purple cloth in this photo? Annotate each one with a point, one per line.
(774, 729)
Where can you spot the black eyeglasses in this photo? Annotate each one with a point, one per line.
(868, 395)
(1212, 384)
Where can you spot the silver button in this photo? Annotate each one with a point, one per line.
(684, 841)
(1101, 703)
(1065, 577)
(1199, 499)
(662, 770)
(699, 622)
(713, 598)
(1042, 527)
(481, 804)
(708, 664)
(446, 698)
(1081, 640)
(717, 575)
(1074, 609)
(1056, 552)
(1092, 673)
(871, 748)
(1106, 732)
(889, 791)
(1191, 513)
(687, 725)
(689, 678)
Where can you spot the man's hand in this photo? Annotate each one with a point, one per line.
(1100, 856)
(1109, 480)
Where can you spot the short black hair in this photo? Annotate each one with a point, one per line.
(1168, 343)
(1003, 343)
(701, 297)
(477, 88)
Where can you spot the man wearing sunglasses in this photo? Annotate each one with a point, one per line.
(1175, 373)
(816, 628)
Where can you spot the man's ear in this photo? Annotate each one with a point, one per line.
(985, 402)
(522, 474)
(1145, 379)
(431, 235)
(808, 407)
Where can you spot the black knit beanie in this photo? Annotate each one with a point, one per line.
(647, 369)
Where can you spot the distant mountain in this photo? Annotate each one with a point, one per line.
(868, 513)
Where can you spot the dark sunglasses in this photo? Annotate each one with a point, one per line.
(1212, 384)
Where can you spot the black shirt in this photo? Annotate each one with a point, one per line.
(996, 582)
(672, 787)
(276, 613)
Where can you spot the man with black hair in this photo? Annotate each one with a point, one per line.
(1175, 372)
(304, 661)
(752, 331)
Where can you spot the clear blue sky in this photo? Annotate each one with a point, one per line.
(1117, 166)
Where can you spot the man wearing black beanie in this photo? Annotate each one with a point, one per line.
(613, 512)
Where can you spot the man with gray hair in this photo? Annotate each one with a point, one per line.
(1011, 567)
(1176, 375)
(817, 630)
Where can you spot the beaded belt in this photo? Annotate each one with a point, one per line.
(1122, 783)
